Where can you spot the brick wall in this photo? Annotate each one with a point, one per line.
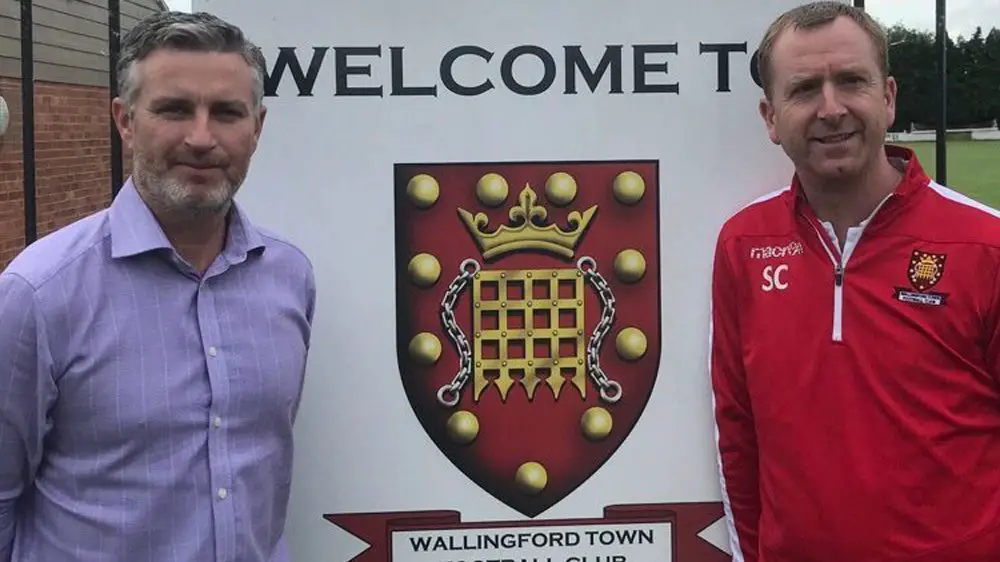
(11, 179)
(72, 159)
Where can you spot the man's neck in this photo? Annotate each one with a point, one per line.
(199, 240)
(847, 203)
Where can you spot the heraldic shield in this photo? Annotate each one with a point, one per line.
(528, 305)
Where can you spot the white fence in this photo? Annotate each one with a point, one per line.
(930, 135)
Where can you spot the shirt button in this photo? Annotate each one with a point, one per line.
(212, 351)
(216, 421)
(223, 493)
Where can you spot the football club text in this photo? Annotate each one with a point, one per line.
(536, 539)
(601, 543)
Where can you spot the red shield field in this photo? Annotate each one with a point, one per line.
(528, 302)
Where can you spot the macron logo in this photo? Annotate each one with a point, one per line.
(793, 248)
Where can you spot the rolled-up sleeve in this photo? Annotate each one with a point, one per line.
(27, 392)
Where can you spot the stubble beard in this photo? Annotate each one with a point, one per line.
(173, 197)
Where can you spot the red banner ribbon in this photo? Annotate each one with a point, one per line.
(686, 521)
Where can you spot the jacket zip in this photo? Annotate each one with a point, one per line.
(838, 280)
(838, 302)
(839, 261)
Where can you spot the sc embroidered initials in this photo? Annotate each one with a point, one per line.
(775, 278)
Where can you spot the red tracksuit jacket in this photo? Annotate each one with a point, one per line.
(857, 396)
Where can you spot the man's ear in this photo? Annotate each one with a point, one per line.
(261, 115)
(766, 109)
(890, 100)
(122, 117)
(258, 127)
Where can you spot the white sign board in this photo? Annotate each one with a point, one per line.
(512, 210)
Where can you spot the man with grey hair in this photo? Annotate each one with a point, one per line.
(154, 352)
(855, 344)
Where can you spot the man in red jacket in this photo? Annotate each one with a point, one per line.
(856, 327)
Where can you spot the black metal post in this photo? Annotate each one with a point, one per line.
(114, 47)
(28, 120)
(941, 175)
(859, 4)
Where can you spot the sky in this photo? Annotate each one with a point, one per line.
(961, 17)
(182, 5)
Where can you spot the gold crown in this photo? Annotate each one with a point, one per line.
(524, 234)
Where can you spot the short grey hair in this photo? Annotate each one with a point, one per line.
(181, 31)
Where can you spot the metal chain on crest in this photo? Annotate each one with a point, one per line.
(610, 390)
(448, 394)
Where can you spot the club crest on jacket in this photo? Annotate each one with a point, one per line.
(924, 271)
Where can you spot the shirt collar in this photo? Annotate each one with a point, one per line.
(135, 230)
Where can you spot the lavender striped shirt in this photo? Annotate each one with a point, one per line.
(146, 412)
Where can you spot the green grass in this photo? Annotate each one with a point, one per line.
(973, 167)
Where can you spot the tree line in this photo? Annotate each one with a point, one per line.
(973, 66)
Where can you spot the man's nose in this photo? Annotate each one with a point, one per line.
(200, 136)
(831, 106)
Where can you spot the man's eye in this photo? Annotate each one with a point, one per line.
(802, 89)
(229, 113)
(171, 110)
(853, 78)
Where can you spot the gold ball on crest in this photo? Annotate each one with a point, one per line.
(425, 348)
(491, 190)
(630, 266)
(463, 427)
(596, 423)
(424, 270)
(629, 187)
(631, 344)
(531, 478)
(423, 190)
(560, 189)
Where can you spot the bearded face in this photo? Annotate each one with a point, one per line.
(192, 129)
